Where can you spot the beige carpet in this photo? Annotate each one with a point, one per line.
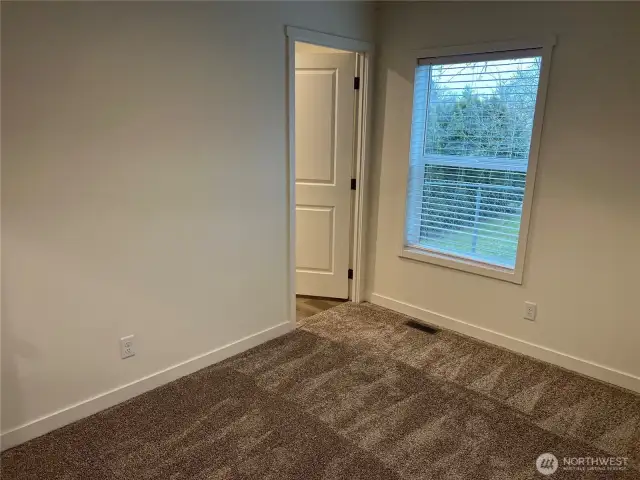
(354, 393)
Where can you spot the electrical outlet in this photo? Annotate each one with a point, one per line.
(530, 309)
(126, 347)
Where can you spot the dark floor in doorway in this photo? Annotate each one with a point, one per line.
(309, 306)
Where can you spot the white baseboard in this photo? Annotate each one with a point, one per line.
(585, 367)
(118, 395)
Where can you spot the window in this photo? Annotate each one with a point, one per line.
(471, 137)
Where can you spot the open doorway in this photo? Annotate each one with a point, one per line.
(325, 114)
(327, 119)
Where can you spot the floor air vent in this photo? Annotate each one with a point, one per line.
(422, 327)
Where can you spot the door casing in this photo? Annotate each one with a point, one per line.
(364, 51)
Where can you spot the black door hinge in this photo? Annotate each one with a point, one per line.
(353, 184)
(350, 274)
(356, 83)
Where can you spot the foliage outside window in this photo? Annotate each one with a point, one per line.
(470, 143)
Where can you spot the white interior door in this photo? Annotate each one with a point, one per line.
(324, 127)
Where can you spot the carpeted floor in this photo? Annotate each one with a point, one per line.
(353, 393)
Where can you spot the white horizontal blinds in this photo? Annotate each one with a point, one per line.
(471, 133)
(471, 213)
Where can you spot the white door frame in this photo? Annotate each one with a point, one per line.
(364, 50)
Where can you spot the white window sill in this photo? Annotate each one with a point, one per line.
(463, 264)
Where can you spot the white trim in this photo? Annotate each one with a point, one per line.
(291, 179)
(536, 134)
(363, 139)
(296, 34)
(462, 264)
(88, 407)
(516, 275)
(576, 364)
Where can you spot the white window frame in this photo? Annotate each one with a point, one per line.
(493, 51)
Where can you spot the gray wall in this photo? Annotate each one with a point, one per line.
(583, 259)
(144, 187)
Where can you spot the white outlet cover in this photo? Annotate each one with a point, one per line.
(530, 310)
(127, 347)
